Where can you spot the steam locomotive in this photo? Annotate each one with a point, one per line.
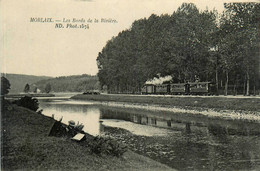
(189, 88)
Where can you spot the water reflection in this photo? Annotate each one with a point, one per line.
(186, 123)
(87, 115)
(198, 143)
(182, 141)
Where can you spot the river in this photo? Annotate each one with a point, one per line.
(182, 141)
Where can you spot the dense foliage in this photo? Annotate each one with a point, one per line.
(238, 45)
(5, 86)
(186, 45)
(77, 83)
(28, 102)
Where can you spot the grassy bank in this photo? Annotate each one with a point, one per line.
(27, 146)
(187, 102)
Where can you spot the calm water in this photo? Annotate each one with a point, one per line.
(184, 141)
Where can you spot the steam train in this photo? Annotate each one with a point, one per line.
(190, 88)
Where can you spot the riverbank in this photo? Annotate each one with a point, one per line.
(212, 106)
(29, 94)
(27, 146)
(209, 102)
(211, 148)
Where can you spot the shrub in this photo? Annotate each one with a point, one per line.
(107, 145)
(28, 102)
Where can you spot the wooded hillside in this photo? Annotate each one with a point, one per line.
(75, 83)
(18, 81)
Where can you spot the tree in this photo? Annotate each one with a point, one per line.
(5, 86)
(35, 89)
(245, 17)
(48, 88)
(228, 52)
(27, 88)
(193, 32)
(239, 44)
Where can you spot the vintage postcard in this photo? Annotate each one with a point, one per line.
(130, 85)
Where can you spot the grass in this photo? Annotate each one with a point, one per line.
(27, 146)
(187, 102)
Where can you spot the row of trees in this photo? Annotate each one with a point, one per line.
(187, 44)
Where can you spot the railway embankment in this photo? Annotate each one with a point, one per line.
(211, 106)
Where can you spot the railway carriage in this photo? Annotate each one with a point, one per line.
(162, 89)
(148, 89)
(177, 88)
(199, 88)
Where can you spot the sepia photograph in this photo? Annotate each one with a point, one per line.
(127, 85)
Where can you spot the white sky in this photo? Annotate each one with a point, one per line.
(41, 49)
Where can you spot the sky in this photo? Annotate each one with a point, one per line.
(36, 48)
